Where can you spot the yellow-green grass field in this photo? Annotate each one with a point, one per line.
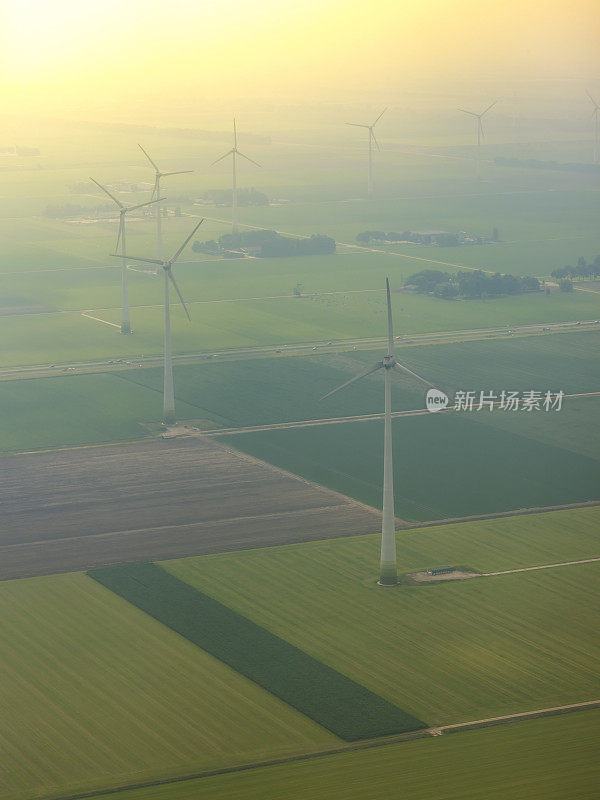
(449, 652)
(95, 693)
(544, 759)
(68, 336)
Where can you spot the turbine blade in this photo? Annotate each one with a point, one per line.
(137, 258)
(105, 190)
(234, 135)
(379, 117)
(179, 172)
(378, 365)
(249, 159)
(488, 108)
(141, 205)
(375, 139)
(228, 153)
(408, 371)
(148, 157)
(464, 111)
(183, 246)
(593, 101)
(172, 279)
(357, 125)
(480, 126)
(389, 319)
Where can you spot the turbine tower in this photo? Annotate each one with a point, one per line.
(234, 197)
(478, 117)
(156, 196)
(595, 116)
(372, 140)
(388, 569)
(168, 391)
(123, 211)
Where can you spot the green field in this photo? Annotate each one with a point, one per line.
(545, 759)
(327, 697)
(83, 409)
(95, 693)
(68, 336)
(529, 644)
(464, 467)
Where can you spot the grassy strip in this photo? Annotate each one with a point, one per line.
(344, 707)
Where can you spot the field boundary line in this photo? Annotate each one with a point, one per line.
(519, 512)
(368, 745)
(97, 319)
(540, 566)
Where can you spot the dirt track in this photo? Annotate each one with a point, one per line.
(76, 509)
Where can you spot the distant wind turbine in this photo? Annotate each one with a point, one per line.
(372, 140)
(169, 393)
(389, 570)
(595, 116)
(479, 117)
(123, 211)
(156, 196)
(234, 197)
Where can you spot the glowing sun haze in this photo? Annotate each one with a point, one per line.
(93, 55)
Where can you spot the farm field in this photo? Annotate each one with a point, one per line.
(69, 336)
(545, 759)
(454, 450)
(97, 693)
(529, 646)
(91, 506)
(464, 467)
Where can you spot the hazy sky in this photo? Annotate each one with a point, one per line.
(102, 56)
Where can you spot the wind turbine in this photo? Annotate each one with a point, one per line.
(234, 198)
(595, 116)
(479, 117)
(156, 196)
(388, 570)
(168, 393)
(371, 140)
(123, 211)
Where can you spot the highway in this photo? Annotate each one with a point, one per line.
(296, 349)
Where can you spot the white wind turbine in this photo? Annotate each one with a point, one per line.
(169, 393)
(388, 569)
(596, 131)
(234, 197)
(372, 140)
(478, 117)
(123, 211)
(156, 196)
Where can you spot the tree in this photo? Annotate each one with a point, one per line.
(426, 280)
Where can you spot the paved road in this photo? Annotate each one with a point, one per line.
(299, 349)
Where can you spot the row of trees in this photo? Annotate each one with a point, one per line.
(581, 270)
(474, 283)
(266, 244)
